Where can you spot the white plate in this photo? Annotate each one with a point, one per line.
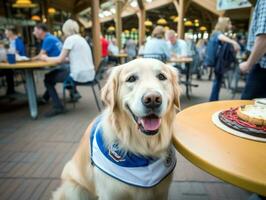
(219, 124)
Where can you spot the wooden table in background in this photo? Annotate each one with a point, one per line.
(122, 57)
(239, 161)
(187, 61)
(28, 67)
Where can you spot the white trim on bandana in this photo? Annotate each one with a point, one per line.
(128, 167)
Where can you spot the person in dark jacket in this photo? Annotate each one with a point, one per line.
(217, 38)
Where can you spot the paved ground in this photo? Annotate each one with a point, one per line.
(33, 152)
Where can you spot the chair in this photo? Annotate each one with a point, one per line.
(70, 84)
(161, 57)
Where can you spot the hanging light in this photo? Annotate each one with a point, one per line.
(203, 28)
(161, 21)
(133, 30)
(176, 19)
(24, 4)
(134, 4)
(196, 21)
(148, 23)
(36, 18)
(51, 11)
(111, 29)
(189, 23)
(166, 28)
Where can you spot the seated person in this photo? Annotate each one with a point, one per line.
(157, 44)
(178, 47)
(113, 51)
(79, 53)
(16, 44)
(50, 46)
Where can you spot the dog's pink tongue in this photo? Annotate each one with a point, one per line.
(150, 124)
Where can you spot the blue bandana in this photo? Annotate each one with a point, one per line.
(128, 167)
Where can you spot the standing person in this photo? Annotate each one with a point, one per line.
(113, 51)
(157, 44)
(104, 44)
(256, 63)
(131, 48)
(82, 68)
(217, 38)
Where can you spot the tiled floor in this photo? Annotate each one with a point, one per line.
(33, 152)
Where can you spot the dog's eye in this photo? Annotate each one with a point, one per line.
(132, 79)
(161, 77)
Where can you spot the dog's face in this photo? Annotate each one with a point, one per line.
(146, 92)
(145, 89)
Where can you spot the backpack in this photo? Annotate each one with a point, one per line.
(212, 49)
(225, 58)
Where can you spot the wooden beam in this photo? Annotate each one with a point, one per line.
(209, 5)
(118, 22)
(142, 17)
(96, 32)
(181, 14)
(141, 4)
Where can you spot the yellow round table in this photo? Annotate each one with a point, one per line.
(28, 67)
(239, 161)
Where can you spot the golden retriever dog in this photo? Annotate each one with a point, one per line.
(127, 153)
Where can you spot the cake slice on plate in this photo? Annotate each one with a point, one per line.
(254, 114)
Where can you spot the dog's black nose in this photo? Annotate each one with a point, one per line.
(152, 100)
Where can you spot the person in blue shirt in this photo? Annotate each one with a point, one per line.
(15, 42)
(51, 47)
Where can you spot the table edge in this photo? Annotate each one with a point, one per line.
(220, 173)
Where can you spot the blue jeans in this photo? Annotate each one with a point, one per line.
(50, 80)
(255, 84)
(216, 86)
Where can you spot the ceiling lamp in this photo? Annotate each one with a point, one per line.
(126, 32)
(133, 30)
(172, 17)
(188, 23)
(134, 4)
(196, 21)
(166, 28)
(51, 11)
(36, 18)
(196, 24)
(175, 19)
(203, 28)
(24, 4)
(148, 23)
(161, 21)
(111, 29)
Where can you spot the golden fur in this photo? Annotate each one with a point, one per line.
(81, 180)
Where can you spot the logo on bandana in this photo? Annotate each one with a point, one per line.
(116, 153)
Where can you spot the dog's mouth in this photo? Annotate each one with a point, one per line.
(149, 124)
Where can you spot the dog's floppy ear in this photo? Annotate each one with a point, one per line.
(110, 89)
(176, 87)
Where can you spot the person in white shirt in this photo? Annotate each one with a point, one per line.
(79, 55)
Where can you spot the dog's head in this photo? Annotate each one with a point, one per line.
(142, 97)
